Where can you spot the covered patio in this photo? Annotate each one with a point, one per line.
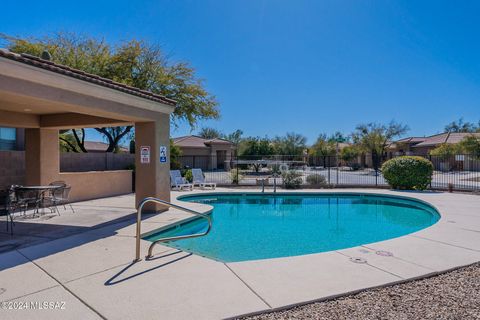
(44, 97)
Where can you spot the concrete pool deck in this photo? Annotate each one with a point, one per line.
(91, 270)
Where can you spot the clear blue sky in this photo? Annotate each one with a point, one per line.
(303, 66)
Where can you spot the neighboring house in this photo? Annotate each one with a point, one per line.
(404, 147)
(98, 147)
(430, 143)
(207, 154)
(423, 145)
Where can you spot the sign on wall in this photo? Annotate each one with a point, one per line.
(144, 154)
(163, 154)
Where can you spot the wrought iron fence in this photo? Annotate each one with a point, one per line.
(459, 172)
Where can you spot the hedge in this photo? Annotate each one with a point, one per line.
(408, 173)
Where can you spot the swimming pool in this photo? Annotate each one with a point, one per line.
(262, 226)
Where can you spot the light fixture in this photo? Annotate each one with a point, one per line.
(27, 110)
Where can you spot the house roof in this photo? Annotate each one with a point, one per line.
(81, 75)
(100, 146)
(199, 142)
(447, 137)
(411, 140)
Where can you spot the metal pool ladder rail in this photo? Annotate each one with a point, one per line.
(171, 205)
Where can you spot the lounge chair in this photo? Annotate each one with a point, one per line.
(177, 182)
(199, 179)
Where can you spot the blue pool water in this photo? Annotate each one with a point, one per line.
(253, 226)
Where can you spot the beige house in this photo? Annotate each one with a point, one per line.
(207, 154)
(423, 145)
(44, 97)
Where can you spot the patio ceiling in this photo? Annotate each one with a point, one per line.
(38, 93)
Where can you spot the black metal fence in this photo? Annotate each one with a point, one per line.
(458, 172)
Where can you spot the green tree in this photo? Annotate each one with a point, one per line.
(461, 126)
(235, 137)
(291, 144)
(446, 150)
(349, 153)
(471, 145)
(209, 133)
(175, 154)
(373, 138)
(338, 137)
(323, 147)
(255, 146)
(67, 142)
(135, 63)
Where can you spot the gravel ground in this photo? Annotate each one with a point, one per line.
(453, 295)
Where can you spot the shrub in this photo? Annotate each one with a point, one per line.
(408, 172)
(316, 180)
(188, 175)
(446, 151)
(291, 179)
(235, 176)
(275, 169)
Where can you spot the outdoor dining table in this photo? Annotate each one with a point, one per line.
(40, 192)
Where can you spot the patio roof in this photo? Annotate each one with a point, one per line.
(39, 93)
(78, 74)
(44, 97)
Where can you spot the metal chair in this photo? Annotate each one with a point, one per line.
(26, 198)
(60, 197)
(7, 207)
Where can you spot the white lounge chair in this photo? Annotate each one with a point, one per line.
(177, 182)
(199, 179)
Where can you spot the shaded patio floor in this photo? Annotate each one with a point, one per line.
(89, 215)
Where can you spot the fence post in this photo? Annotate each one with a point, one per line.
(328, 166)
(236, 171)
(337, 164)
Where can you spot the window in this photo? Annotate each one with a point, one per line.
(8, 138)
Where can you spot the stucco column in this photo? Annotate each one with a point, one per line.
(42, 156)
(153, 178)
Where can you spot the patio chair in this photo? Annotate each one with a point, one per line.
(7, 207)
(199, 179)
(60, 197)
(58, 183)
(28, 198)
(178, 182)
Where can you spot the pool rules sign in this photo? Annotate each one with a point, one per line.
(145, 155)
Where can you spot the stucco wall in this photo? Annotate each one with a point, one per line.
(12, 168)
(97, 184)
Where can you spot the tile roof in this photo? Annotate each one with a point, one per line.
(198, 142)
(81, 75)
(411, 140)
(447, 137)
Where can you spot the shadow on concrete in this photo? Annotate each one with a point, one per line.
(113, 280)
(27, 234)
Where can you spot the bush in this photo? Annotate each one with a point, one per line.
(316, 180)
(235, 176)
(188, 175)
(408, 172)
(291, 179)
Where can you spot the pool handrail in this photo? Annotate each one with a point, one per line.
(170, 205)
